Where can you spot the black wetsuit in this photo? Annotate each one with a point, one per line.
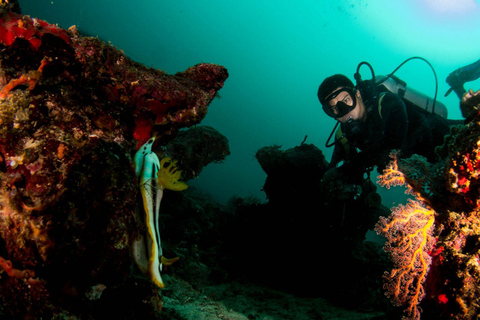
(390, 125)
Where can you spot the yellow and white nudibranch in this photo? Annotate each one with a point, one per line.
(153, 177)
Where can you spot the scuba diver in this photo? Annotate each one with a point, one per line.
(374, 118)
(377, 117)
(362, 127)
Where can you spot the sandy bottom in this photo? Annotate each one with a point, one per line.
(237, 301)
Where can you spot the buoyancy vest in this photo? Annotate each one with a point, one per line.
(341, 138)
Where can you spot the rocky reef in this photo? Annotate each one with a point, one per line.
(305, 239)
(73, 112)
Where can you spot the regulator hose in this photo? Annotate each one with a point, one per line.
(434, 74)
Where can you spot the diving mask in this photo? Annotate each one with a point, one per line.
(341, 107)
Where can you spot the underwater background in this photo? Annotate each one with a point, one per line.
(277, 53)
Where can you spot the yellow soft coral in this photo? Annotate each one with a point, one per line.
(168, 176)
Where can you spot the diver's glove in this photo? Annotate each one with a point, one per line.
(457, 78)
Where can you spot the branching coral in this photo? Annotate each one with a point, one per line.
(418, 176)
(409, 240)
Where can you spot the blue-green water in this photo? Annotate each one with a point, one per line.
(277, 53)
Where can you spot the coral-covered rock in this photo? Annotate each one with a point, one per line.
(196, 147)
(462, 171)
(73, 111)
(292, 175)
(301, 219)
(451, 188)
(10, 6)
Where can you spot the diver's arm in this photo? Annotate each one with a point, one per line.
(457, 78)
(338, 155)
(343, 167)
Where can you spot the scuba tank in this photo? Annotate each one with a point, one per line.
(396, 85)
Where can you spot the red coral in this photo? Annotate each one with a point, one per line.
(463, 173)
(443, 298)
(14, 26)
(143, 130)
